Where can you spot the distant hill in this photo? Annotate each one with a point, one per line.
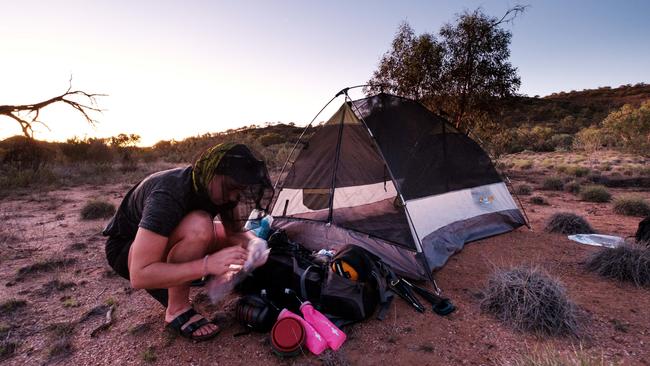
(532, 123)
(568, 112)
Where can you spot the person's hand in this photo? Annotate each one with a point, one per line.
(220, 262)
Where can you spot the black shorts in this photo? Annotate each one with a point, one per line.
(117, 255)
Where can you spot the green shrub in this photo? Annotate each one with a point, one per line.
(630, 127)
(562, 142)
(13, 177)
(589, 139)
(23, 153)
(553, 184)
(595, 193)
(271, 138)
(90, 149)
(97, 209)
(540, 139)
(631, 206)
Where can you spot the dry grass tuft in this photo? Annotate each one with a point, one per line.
(538, 200)
(61, 340)
(632, 206)
(7, 348)
(568, 223)
(528, 299)
(331, 358)
(626, 263)
(523, 164)
(548, 356)
(49, 265)
(149, 355)
(56, 285)
(553, 184)
(572, 187)
(8, 307)
(76, 246)
(97, 209)
(595, 193)
(523, 190)
(578, 171)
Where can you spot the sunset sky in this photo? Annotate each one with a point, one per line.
(174, 69)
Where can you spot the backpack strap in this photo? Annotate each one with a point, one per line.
(397, 286)
(303, 278)
(385, 295)
(381, 272)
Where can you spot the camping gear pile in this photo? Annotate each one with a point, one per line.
(381, 195)
(329, 290)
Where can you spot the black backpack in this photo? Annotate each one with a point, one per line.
(355, 285)
(314, 278)
(289, 265)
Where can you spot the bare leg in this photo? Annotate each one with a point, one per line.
(191, 240)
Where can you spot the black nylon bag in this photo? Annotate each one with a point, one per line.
(352, 300)
(289, 265)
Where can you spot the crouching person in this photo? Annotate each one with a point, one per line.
(163, 236)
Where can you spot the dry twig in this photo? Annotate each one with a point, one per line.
(27, 114)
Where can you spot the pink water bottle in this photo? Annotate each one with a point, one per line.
(332, 334)
(314, 341)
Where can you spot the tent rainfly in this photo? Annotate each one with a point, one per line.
(386, 174)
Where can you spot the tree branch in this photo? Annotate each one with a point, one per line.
(511, 14)
(32, 111)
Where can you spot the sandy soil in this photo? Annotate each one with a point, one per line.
(45, 225)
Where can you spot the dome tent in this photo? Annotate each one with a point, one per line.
(387, 174)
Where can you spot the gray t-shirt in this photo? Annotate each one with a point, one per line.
(158, 203)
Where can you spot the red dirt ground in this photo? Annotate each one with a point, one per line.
(41, 226)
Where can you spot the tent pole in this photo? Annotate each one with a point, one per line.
(286, 162)
(336, 167)
(414, 233)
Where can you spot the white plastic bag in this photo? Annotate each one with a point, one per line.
(219, 287)
(608, 241)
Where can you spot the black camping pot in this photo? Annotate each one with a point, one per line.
(255, 313)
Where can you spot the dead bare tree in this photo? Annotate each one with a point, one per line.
(27, 114)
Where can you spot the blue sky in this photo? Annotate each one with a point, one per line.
(174, 69)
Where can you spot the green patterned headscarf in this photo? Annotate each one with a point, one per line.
(205, 166)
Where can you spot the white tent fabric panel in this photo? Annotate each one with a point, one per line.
(431, 213)
(343, 197)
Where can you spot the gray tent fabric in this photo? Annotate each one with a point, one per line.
(316, 236)
(444, 242)
(390, 176)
